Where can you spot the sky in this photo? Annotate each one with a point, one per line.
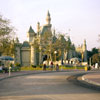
(81, 17)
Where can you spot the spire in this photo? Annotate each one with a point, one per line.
(48, 19)
(84, 45)
(48, 14)
(17, 40)
(85, 51)
(84, 41)
(54, 37)
(38, 27)
(54, 32)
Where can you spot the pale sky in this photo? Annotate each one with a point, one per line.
(82, 17)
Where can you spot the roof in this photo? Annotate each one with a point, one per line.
(62, 38)
(43, 29)
(31, 30)
(54, 39)
(26, 44)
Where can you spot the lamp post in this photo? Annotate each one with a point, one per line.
(90, 61)
(55, 52)
(9, 71)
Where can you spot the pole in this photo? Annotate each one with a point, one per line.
(55, 57)
(9, 71)
(90, 61)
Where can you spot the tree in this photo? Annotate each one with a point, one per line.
(59, 44)
(48, 43)
(95, 58)
(6, 37)
(93, 54)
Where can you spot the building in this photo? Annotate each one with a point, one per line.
(27, 52)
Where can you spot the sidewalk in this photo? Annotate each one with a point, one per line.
(92, 78)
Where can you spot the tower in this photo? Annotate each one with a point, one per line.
(48, 18)
(33, 55)
(84, 51)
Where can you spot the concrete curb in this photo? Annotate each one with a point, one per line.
(29, 73)
(24, 74)
(89, 81)
(77, 80)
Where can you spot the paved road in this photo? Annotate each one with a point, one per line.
(45, 86)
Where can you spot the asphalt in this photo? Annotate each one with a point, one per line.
(89, 78)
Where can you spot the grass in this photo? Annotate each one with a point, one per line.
(30, 68)
(74, 67)
(26, 68)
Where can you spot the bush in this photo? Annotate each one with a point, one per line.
(89, 68)
(11, 65)
(34, 66)
(41, 65)
(17, 65)
(1, 71)
(14, 69)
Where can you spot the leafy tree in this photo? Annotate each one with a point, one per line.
(53, 43)
(62, 45)
(49, 43)
(95, 58)
(6, 37)
(94, 50)
(93, 54)
(46, 44)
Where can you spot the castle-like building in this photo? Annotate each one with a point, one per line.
(26, 53)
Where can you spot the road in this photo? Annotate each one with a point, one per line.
(45, 86)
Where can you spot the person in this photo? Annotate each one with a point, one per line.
(1, 68)
(96, 65)
(4, 68)
(57, 67)
(44, 67)
(51, 66)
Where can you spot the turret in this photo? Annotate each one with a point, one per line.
(48, 18)
(38, 27)
(30, 34)
(17, 40)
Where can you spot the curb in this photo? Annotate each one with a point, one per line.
(89, 81)
(77, 80)
(24, 74)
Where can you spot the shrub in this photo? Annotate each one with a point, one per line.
(17, 65)
(34, 66)
(11, 65)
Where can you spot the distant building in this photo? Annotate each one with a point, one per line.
(26, 53)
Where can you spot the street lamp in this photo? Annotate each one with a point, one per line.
(90, 61)
(55, 52)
